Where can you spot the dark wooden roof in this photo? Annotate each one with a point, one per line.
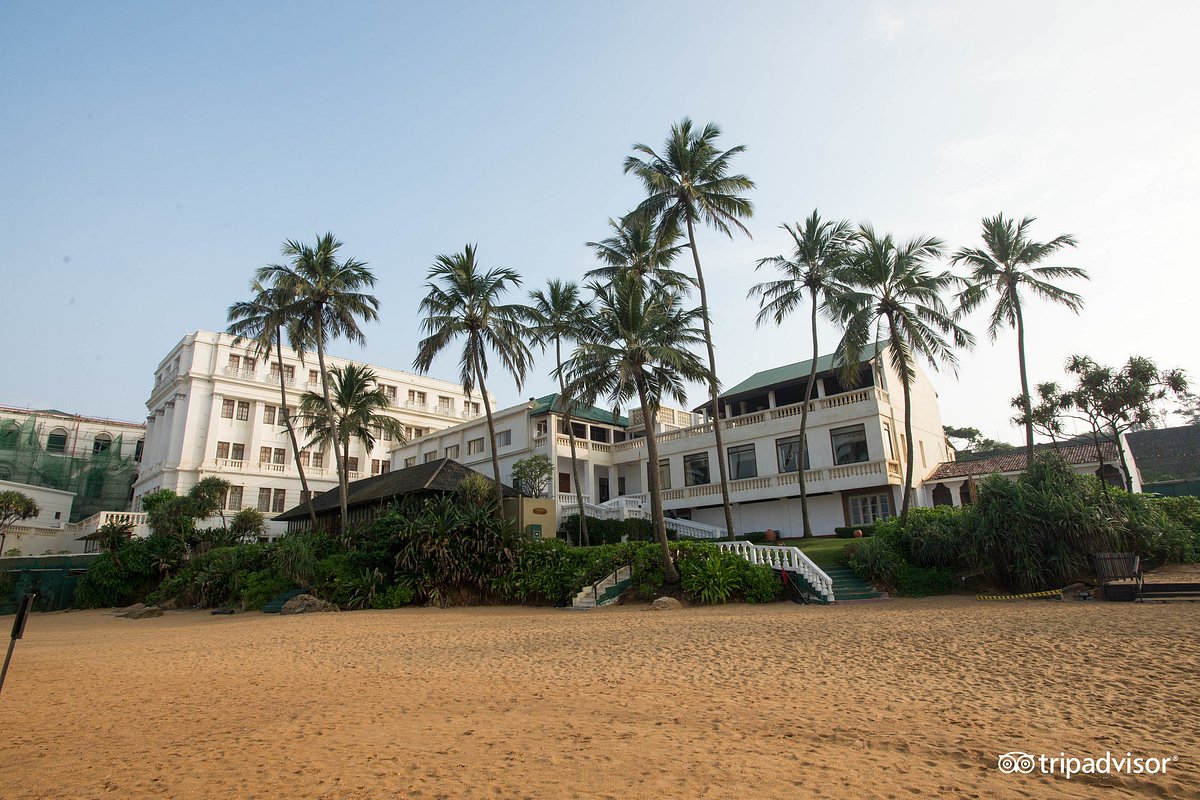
(1167, 453)
(1014, 461)
(442, 475)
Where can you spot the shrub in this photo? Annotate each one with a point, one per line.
(609, 531)
(260, 586)
(395, 596)
(876, 560)
(247, 524)
(930, 537)
(761, 584)
(847, 532)
(712, 576)
(754, 537)
(119, 578)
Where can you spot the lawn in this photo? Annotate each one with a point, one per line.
(825, 551)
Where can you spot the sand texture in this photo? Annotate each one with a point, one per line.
(899, 699)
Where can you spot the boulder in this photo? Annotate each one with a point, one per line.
(120, 612)
(305, 603)
(142, 613)
(666, 604)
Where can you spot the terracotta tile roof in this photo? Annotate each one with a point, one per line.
(1015, 461)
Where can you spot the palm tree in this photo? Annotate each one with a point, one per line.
(261, 320)
(690, 183)
(813, 274)
(636, 344)
(897, 299)
(647, 249)
(358, 402)
(464, 301)
(326, 301)
(1003, 267)
(556, 314)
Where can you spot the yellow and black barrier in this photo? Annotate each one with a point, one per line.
(1049, 593)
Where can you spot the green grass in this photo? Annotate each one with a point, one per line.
(825, 551)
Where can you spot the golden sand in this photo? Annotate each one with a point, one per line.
(900, 699)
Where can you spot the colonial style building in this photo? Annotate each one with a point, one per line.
(853, 456)
(214, 410)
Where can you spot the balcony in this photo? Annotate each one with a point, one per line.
(824, 479)
(237, 372)
(267, 466)
(273, 379)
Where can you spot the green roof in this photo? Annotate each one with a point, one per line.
(789, 373)
(590, 413)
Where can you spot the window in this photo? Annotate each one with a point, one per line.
(374, 466)
(475, 446)
(313, 377)
(742, 462)
(280, 455)
(227, 409)
(390, 393)
(411, 461)
(237, 452)
(849, 444)
(279, 503)
(5, 473)
(56, 442)
(94, 486)
(387, 434)
(411, 433)
(268, 415)
(233, 499)
(8, 435)
(787, 451)
(243, 410)
(305, 458)
(452, 451)
(431, 457)
(101, 443)
(445, 405)
(138, 450)
(866, 508)
(249, 363)
(385, 467)
(415, 397)
(305, 496)
(472, 409)
(664, 474)
(352, 464)
(543, 427)
(235, 362)
(264, 500)
(695, 469)
(887, 441)
(222, 449)
(503, 438)
(922, 446)
(289, 372)
(318, 460)
(264, 455)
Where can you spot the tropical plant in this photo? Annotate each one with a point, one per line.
(813, 274)
(112, 536)
(531, 476)
(248, 524)
(356, 403)
(326, 300)
(14, 507)
(897, 301)
(262, 319)
(972, 441)
(689, 183)
(640, 245)
(207, 497)
(554, 315)
(1046, 413)
(464, 301)
(1005, 268)
(636, 345)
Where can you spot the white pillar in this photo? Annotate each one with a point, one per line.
(771, 399)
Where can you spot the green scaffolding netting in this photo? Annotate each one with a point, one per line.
(100, 480)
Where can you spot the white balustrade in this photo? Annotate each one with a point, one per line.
(791, 559)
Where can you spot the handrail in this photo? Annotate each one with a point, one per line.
(792, 559)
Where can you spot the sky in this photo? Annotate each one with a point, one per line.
(152, 156)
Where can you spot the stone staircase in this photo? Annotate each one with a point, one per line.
(604, 591)
(848, 586)
(277, 602)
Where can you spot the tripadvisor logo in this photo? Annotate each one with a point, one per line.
(1021, 763)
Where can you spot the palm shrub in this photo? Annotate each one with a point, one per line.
(119, 577)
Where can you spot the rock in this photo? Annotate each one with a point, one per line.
(305, 603)
(120, 612)
(666, 604)
(142, 613)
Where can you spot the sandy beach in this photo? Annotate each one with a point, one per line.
(899, 699)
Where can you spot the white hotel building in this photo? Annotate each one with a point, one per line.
(214, 410)
(853, 457)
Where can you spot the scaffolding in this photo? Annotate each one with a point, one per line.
(101, 479)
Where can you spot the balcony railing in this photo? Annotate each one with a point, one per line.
(888, 467)
(230, 463)
(267, 466)
(273, 379)
(238, 372)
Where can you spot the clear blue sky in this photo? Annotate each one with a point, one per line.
(153, 155)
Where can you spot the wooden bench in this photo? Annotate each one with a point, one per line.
(1113, 567)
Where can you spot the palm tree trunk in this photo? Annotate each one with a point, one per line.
(334, 433)
(491, 426)
(909, 447)
(808, 390)
(287, 421)
(562, 392)
(655, 486)
(1025, 398)
(722, 468)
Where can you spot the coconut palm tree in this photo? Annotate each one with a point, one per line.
(261, 320)
(647, 249)
(690, 183)
(635, 344)
(897, 300)
(327, 301)
(358, 404)
(464, 301)
(814, 275)
(1004, 268)
(556, 314)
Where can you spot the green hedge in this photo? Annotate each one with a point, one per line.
(847, 532)
(610, 531)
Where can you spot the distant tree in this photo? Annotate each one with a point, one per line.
(689, 183)
(531, 476)
(1047, 412)
(174, 516)
(898, 299)
(14, 507)
(248, 524)
(1006, 268)
(1189, 408)
(112, 536)
(1115, 401)
(639, 245)
(972, 441)
(812, 274)
(207, 497)
(326, 300)
(464, 301)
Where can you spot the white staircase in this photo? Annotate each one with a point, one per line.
(789, 559)
(636, 507)
(599, 594)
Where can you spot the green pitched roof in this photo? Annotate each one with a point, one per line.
(590, 413)
(790, 372)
